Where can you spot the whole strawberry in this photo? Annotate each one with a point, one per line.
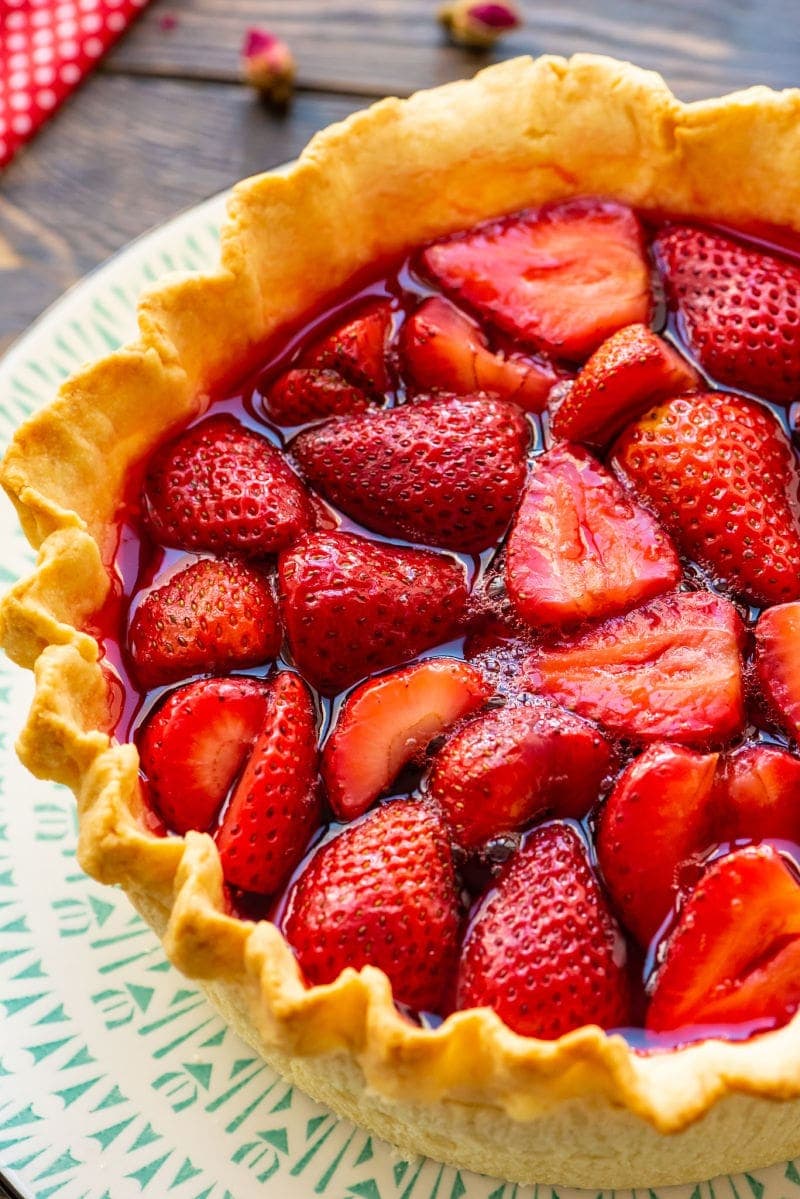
(353, 607)
(543, 950)
(275, 805)
(446, 472)
(382, 893)
(212, 616)
(739, 308)
(219, 486)
(720, 473)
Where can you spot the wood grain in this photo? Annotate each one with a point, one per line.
(166, 120)
(703, 47)
(91, 182)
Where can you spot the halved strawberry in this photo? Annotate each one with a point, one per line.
(760, 787)
(383, 894)
(445, 471)
(624, 377)
(543, 950)
(219, 486)
(734, 954)
(659, 815)
(193, 745)
(353, 607)
(357, 349)
(510, 766)
(720, 473)
(778, 663)
(214, 615)
(579, 548)
(443, 349)
(739, 309)
(298, 396)
(275, 805)
(387, 721)
(561, 279)
(670, 671)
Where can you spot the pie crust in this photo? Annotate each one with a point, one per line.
(585, 1110)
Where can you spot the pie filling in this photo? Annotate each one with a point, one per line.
(469, 627)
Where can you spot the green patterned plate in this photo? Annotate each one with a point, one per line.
(116, 1077)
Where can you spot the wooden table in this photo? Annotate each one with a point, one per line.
(165, 121)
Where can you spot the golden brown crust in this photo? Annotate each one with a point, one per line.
(521, 133)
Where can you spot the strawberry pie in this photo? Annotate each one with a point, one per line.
(424, 656)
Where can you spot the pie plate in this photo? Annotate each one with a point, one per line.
(115, 1077)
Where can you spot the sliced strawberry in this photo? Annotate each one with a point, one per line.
(510, 766)
(218, 486)
(353, 607)
(212, 616)
(659, 815)
(720, 473)
(761, 789)
(734, 954)
(382, 893)
(298, 396)
(445, 350)
(622, 379)
(387, 721)
(275, 805)
(357, 349)
(579, 548)
(670, 671)
(778, 663)
(543, 950)
(446, 472)
(739, 309)
(562, 279)
(194, 744)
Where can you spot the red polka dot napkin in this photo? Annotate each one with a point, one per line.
(46, 48)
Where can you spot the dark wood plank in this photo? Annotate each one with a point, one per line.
(703, 47)
(122, 156)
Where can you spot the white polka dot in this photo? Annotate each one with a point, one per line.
(18, 80)
(66, 29)
(87, 5)
(63, 12)
(69, 49)
(92, 23)
(17, 62)
(42, 55)
(44, 76)
(21, 124)
(93, 47)
(3, 126)
(15, 20)
(38, 19)
(17, 41)
(115, 21)
(46, 98)
(42, 37)
(19, 102)
(70, 73)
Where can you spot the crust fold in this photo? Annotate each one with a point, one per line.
(522, 133)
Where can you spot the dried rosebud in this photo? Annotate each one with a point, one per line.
(474, 23)
(268, 65)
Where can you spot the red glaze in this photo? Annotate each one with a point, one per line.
(668, 668)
